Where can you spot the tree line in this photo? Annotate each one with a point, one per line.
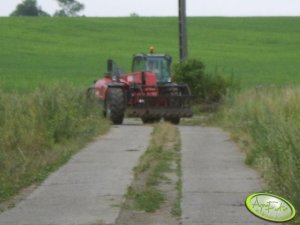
(31, 8)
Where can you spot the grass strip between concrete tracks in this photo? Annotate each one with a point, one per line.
(161, 159)
(265, 121)
(40, 131)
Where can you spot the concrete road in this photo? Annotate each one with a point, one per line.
(216, 181)
(90, 187)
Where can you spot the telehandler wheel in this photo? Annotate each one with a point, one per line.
(115, 105)
(173, 120)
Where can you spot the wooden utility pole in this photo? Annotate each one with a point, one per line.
(183, 47)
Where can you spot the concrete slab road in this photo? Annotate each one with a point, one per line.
(89, 188)
(216, 181)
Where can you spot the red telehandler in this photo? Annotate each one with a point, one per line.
(147, 92)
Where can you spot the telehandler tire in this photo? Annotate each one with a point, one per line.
(115, 105)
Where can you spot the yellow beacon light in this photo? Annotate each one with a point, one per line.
(151, 50)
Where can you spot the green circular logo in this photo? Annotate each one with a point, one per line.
(270, 207)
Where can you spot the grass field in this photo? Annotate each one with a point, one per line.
(44, 50)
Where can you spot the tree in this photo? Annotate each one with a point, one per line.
(28, 8)
(69, 8)
(134, 14)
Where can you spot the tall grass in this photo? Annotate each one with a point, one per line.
(40, 131)
(266, 121)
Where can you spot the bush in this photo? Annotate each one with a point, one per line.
(208, 88)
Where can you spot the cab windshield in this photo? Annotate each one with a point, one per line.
(160, 66)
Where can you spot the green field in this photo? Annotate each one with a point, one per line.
(45, 50)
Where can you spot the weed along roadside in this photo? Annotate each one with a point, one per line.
(40, 131)
(265, 123)
(155, 194)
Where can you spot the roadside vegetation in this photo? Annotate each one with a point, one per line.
(40, 131)
(265, 122)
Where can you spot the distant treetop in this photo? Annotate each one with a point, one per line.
(28, 8)
(69, 8)
(134, 14)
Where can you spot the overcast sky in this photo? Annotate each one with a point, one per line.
(170, 7)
